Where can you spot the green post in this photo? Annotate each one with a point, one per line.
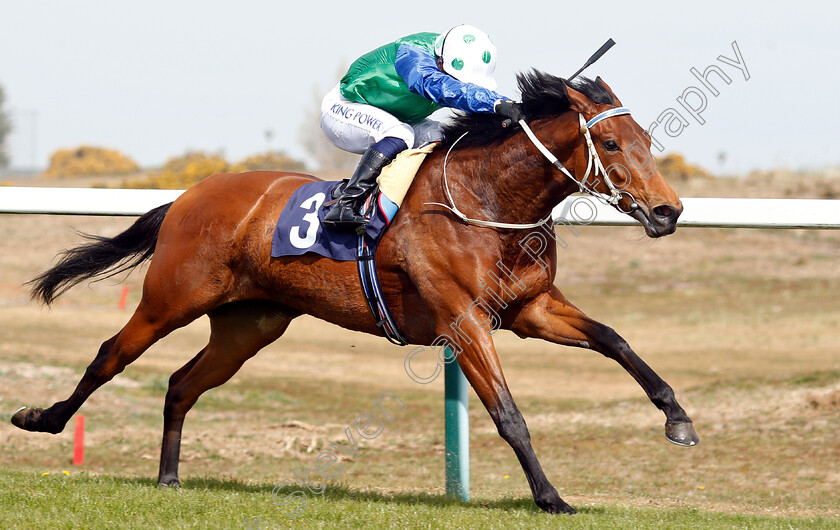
(457, 430)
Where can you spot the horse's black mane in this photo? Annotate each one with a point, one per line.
(543, 95)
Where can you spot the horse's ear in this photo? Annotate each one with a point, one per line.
(608, 89)
(580, 102)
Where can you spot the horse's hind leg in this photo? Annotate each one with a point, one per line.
(145, 327)
(237, 332)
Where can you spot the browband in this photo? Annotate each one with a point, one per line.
(618, 111)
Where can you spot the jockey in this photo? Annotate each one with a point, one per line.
(382, 104)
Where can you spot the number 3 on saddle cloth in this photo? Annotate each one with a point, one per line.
(300, 229)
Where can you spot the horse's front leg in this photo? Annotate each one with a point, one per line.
(477, 357)
(551, 317)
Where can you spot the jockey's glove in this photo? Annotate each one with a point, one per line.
(509, 109)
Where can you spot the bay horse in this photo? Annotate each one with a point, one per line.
(210, 255)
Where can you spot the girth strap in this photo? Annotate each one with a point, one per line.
(373, 293)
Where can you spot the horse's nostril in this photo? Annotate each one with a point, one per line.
(663, 211)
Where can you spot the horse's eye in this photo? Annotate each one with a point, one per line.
(611, 145)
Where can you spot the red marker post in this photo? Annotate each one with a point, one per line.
(123, 298)
(79, 442)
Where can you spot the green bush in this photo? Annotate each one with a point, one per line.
(269, 161)
(674, 167)
(87, 161)
(185, 171)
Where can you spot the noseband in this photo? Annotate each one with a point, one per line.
(614, 197)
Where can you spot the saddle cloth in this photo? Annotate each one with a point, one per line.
(300, 226)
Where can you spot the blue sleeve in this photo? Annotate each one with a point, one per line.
(419, 70)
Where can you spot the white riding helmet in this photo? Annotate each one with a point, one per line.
(468, 55)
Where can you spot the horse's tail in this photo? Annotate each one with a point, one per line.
(102, 257)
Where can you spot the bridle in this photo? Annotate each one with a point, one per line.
(614, 198)
(594, 161)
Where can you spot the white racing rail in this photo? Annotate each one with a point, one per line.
(83, 201)
(714, 212)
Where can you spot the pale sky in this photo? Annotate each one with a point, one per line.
(155, 78)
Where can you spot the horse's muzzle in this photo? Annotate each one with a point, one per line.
(658, 221)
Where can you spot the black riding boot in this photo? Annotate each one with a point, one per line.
(345, 214)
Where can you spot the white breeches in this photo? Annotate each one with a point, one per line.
(356, 126)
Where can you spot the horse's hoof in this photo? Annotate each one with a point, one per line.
(169, 482)
(556, 505)
(27, 419)
(681, 434)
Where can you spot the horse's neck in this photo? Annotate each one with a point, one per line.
(510, 183)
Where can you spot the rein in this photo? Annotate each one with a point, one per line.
(613, 198)
(478, 222)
